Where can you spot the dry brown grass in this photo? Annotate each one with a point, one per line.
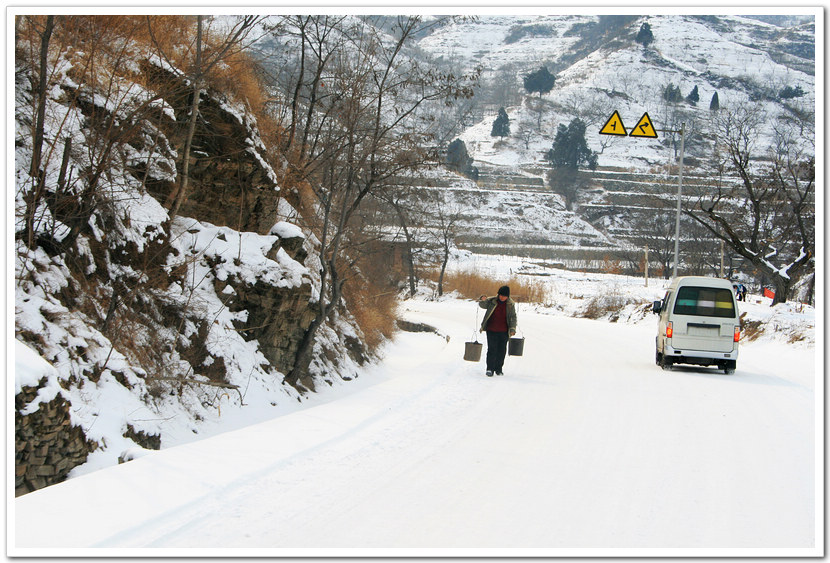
(238, 77)
(374, 310)
(472, 285)
(750, 330)
(109, 42)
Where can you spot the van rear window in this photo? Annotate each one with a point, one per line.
(704, 302)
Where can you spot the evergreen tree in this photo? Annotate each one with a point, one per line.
(790, 92)
(459, 160)
(569, 152)
(501, 126)
(671, 93)
(645, 36)
(457, 157)
(541, 81)
(693, 97)
(714, 105)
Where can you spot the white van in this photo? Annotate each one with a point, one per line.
(699, 324)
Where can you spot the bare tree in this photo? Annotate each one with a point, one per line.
(36, 172)
(445, 234)
(410, 216)
(301, 23)
(767, 216)
(369, 133)
(99, 102)
(527, 132)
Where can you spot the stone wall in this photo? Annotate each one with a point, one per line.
(47, 446)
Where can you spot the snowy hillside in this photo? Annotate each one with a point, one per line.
(600, 69)
(506, 214)
(737, 57)
(146, 317)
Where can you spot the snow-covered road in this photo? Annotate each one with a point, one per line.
(584, 445)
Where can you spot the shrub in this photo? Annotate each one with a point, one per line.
(518, 32)
(671, 93)
(694, 96)
(501, 126)
(790, 92)
(459, 160)
(606, 304)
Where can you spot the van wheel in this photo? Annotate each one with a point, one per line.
(665, 363)
(729, 367)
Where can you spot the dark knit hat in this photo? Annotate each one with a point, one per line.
(504, 290)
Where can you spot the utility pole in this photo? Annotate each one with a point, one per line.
(679, 192)
(646, 266)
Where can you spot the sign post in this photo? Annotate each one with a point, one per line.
(645, 128)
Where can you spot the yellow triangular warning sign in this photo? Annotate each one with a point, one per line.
(614, 126)
(644, 128)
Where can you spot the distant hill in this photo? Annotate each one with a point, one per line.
(767, 61)
(601, 69)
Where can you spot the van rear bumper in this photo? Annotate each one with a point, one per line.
(701, 357)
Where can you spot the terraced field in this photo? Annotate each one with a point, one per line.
(618, 206)
(513, 211)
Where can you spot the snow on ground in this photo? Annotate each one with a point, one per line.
(570, 292)
(584, 447)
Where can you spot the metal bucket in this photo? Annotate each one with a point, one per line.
(472, 351)
(516, 346)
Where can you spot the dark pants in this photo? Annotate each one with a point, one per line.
(496, 350)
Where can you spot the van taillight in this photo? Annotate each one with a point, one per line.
(668, 330)
(737, 333)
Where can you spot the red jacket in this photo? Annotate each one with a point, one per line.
(510, 312)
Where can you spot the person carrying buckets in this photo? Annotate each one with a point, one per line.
(500, 324)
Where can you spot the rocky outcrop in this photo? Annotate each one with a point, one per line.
(232, 182)
(125, 279)
(277, 317)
